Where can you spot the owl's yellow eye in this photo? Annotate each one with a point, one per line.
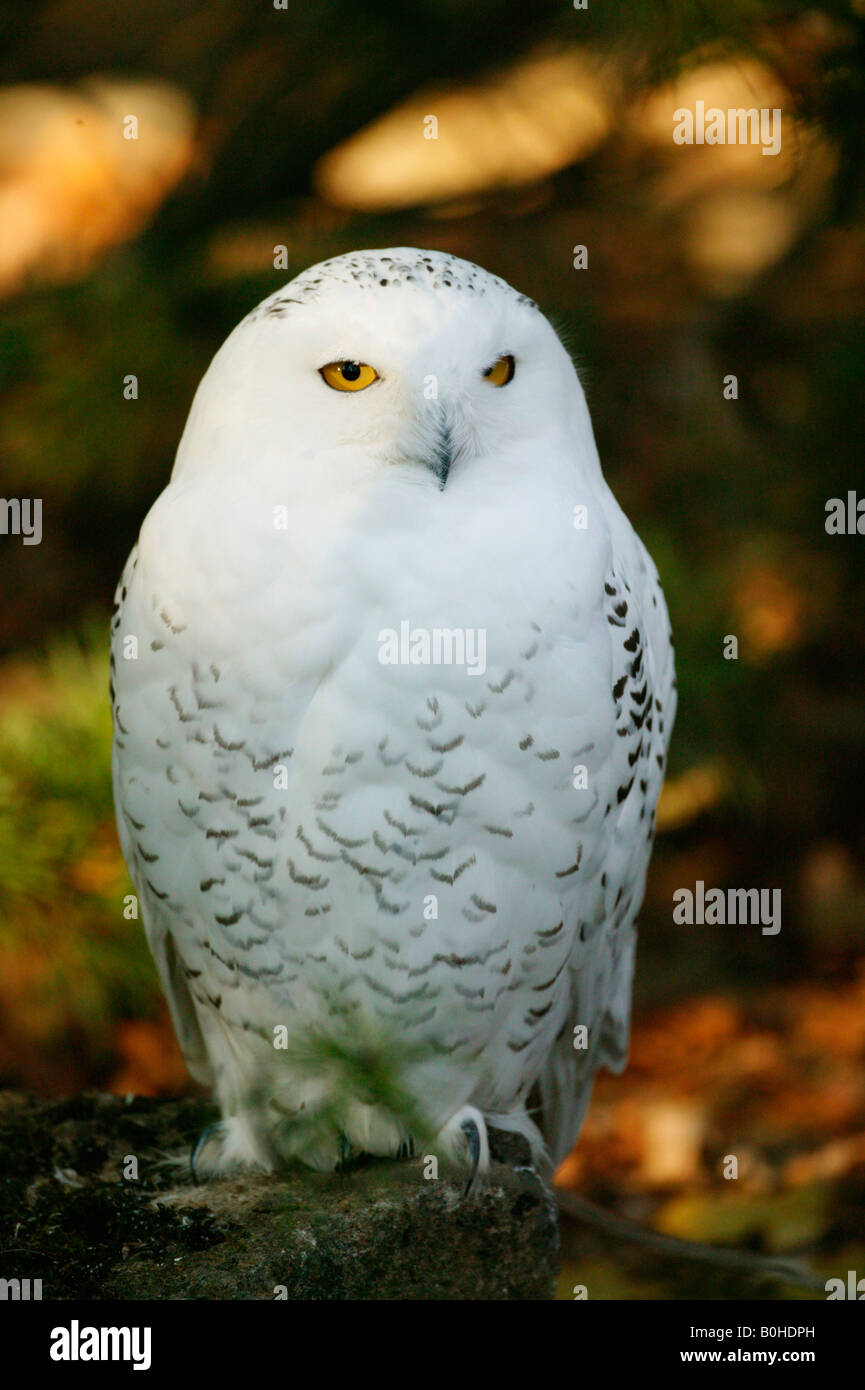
(349, 376)
(501, 372)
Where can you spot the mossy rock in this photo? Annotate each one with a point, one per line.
(69, 1216)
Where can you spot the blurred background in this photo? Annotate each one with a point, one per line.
(306, 128)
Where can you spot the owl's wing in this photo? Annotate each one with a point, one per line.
(160, 938)
(642, 704)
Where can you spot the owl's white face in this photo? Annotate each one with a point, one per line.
(400, 362)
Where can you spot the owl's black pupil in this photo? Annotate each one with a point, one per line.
(351, 370)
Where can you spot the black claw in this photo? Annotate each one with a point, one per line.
(198, 1146)
(472, 1133)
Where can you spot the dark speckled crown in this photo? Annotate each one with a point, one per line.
(391, 269)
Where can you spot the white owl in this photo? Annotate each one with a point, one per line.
(393, 688)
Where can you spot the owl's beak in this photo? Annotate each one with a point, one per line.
(443, 454)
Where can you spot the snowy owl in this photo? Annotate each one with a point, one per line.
(393, 686)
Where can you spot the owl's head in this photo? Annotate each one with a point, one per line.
(408, 364)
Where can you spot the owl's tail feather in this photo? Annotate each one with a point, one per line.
(745, 1262)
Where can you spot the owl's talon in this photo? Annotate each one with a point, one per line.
(345, 1153)
(472, 1133)
(229, 1146)
(464, 1144)
(211, 1136)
